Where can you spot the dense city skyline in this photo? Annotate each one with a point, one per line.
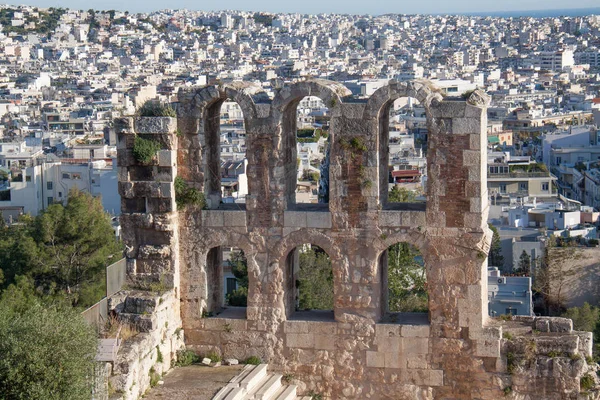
(315, 7)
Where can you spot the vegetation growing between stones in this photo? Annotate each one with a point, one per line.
(186, 195)
(159, 356)
(213, 356)
(153, 108)
(186, 358)
(253, 360)
(586, 382)
(144, 150)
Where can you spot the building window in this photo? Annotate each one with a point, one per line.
(28, 178)
(558, 160)
(523, 186)
(75, 176)
(503, 188)
(66, 175)
(49, 185)
(545, 186)
(50, 200)
(59, 194)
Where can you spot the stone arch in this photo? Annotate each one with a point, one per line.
(381, 247)
(208, 101)
(302, 236)
(378, 107)
(283, 109)
(206, 257)
(287, 258)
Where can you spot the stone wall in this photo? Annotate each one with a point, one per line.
(150, 353)
(351, 353)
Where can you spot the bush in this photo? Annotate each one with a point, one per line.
(253, 360)
(186, 357)
(586, 382)
(185, 195)
(156, 109)
(47, 349)
(238, 298)
(144, 150)
(214, 356)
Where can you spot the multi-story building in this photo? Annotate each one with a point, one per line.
(556, 60)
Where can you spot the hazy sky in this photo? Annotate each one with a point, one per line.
(320, 6)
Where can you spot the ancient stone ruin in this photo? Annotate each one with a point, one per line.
(456, 352)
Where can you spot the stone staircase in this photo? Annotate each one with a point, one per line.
(256, 383)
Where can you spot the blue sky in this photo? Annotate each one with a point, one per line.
(319, 6)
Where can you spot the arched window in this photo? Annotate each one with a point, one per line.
(226, 283)
(226, 172)
(307, 144)
(309, 277)
(404, 281)
(402, 147)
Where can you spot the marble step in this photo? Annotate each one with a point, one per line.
(265, 389)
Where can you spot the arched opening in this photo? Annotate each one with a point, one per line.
(307, 144)
(226, 176)
(402, 152)
(226, 283)
(404, 285)
(309, 288)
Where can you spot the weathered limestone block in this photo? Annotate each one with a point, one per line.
(151, 351)
(155, 125)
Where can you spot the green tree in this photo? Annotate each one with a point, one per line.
(64, 249)
(585, 318)
(495, 256)
(552, 275)
(407, 280)
(315, 280)
(239, 267)
(524, 264)
(47, 348)
(76, 242)
(401, 195)
(19, 250)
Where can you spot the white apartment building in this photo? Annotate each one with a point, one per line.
(555, 60)
(33, 188)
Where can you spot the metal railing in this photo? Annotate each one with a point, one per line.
(97, 314)
(520, 175)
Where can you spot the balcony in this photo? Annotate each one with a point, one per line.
(521, 175)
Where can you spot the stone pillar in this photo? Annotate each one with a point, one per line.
(456, 216)
(149, 217)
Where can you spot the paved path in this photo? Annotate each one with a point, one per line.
(193, 383)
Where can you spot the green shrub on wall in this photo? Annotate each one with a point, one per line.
(156, 109)
(185, 195)
(144, 150)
